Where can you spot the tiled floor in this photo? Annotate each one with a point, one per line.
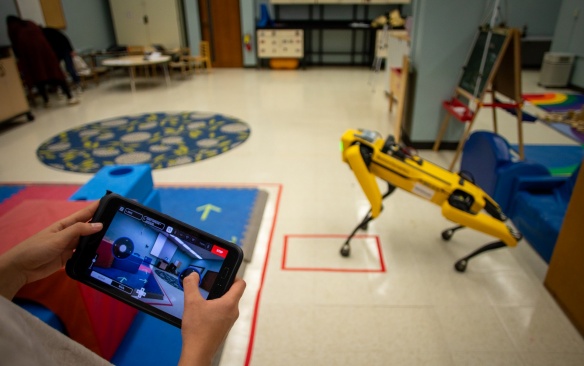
(315, 307)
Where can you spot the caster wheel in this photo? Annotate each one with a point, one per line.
(30, 117)
(447, 234)
(460, 266)
(345, 251)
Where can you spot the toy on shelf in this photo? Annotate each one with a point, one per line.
(462, 202)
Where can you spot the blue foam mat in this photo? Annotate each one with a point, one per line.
(558, 159)
(224, 212)
(149, 341)
(8, 191)
(218, 211)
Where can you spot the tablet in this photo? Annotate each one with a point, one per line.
(142, 256)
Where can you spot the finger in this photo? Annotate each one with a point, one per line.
(236, 291)
(73, 232)
(191, 286)
(82, 215)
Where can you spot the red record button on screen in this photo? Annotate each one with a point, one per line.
(219, 251)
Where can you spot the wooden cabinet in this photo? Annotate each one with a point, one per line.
(566, 269)
(148, 22)
(13, 101)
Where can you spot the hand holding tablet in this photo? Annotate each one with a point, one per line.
(142, 257)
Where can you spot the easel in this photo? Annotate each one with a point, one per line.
(496, 61)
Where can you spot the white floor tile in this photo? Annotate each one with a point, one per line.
(473, 329)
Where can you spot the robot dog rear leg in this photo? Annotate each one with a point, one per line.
(461, 264)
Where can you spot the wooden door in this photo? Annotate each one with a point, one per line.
(53, 12)
(221, 27)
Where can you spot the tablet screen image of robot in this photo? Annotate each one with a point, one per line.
(147, 260)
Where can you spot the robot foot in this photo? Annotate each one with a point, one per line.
(461, 264)
(447, 234)
(363, 225)
(346, 250)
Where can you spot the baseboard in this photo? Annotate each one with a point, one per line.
(427, 145)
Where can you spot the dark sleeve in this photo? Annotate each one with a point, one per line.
(59, 42)
(66, 43)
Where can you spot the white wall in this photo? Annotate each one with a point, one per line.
(441, 40)
(89, 24)
(31, 10)
(569, 37)
(6, 8)
(192, 23)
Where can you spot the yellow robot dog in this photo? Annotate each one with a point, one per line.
(460, 199)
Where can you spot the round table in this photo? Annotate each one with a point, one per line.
(132, 61)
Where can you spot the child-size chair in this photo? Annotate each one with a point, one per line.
(527, 192)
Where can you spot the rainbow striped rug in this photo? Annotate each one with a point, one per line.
(556, 102)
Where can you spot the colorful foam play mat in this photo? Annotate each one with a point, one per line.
(160, 139)
(556, 102)
(232, 213)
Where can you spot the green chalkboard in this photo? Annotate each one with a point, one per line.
(472, 70)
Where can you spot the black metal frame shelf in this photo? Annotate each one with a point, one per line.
(360, 53)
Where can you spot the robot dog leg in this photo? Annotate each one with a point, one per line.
(491, 223)
(359, 157)
(462, 202)
(346, 248)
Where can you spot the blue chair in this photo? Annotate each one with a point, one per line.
(493, 165)
(528, 194)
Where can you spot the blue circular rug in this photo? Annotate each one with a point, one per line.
(159, 139)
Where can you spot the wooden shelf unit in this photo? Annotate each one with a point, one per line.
(13, 102)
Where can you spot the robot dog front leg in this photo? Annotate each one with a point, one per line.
(346, 248)
(358, 157)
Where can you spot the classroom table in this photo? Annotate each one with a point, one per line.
(132, 62)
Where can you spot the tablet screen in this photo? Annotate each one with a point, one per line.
(147, 259)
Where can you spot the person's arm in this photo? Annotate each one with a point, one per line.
(66, 43)
(205, 323)
(45, 252)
